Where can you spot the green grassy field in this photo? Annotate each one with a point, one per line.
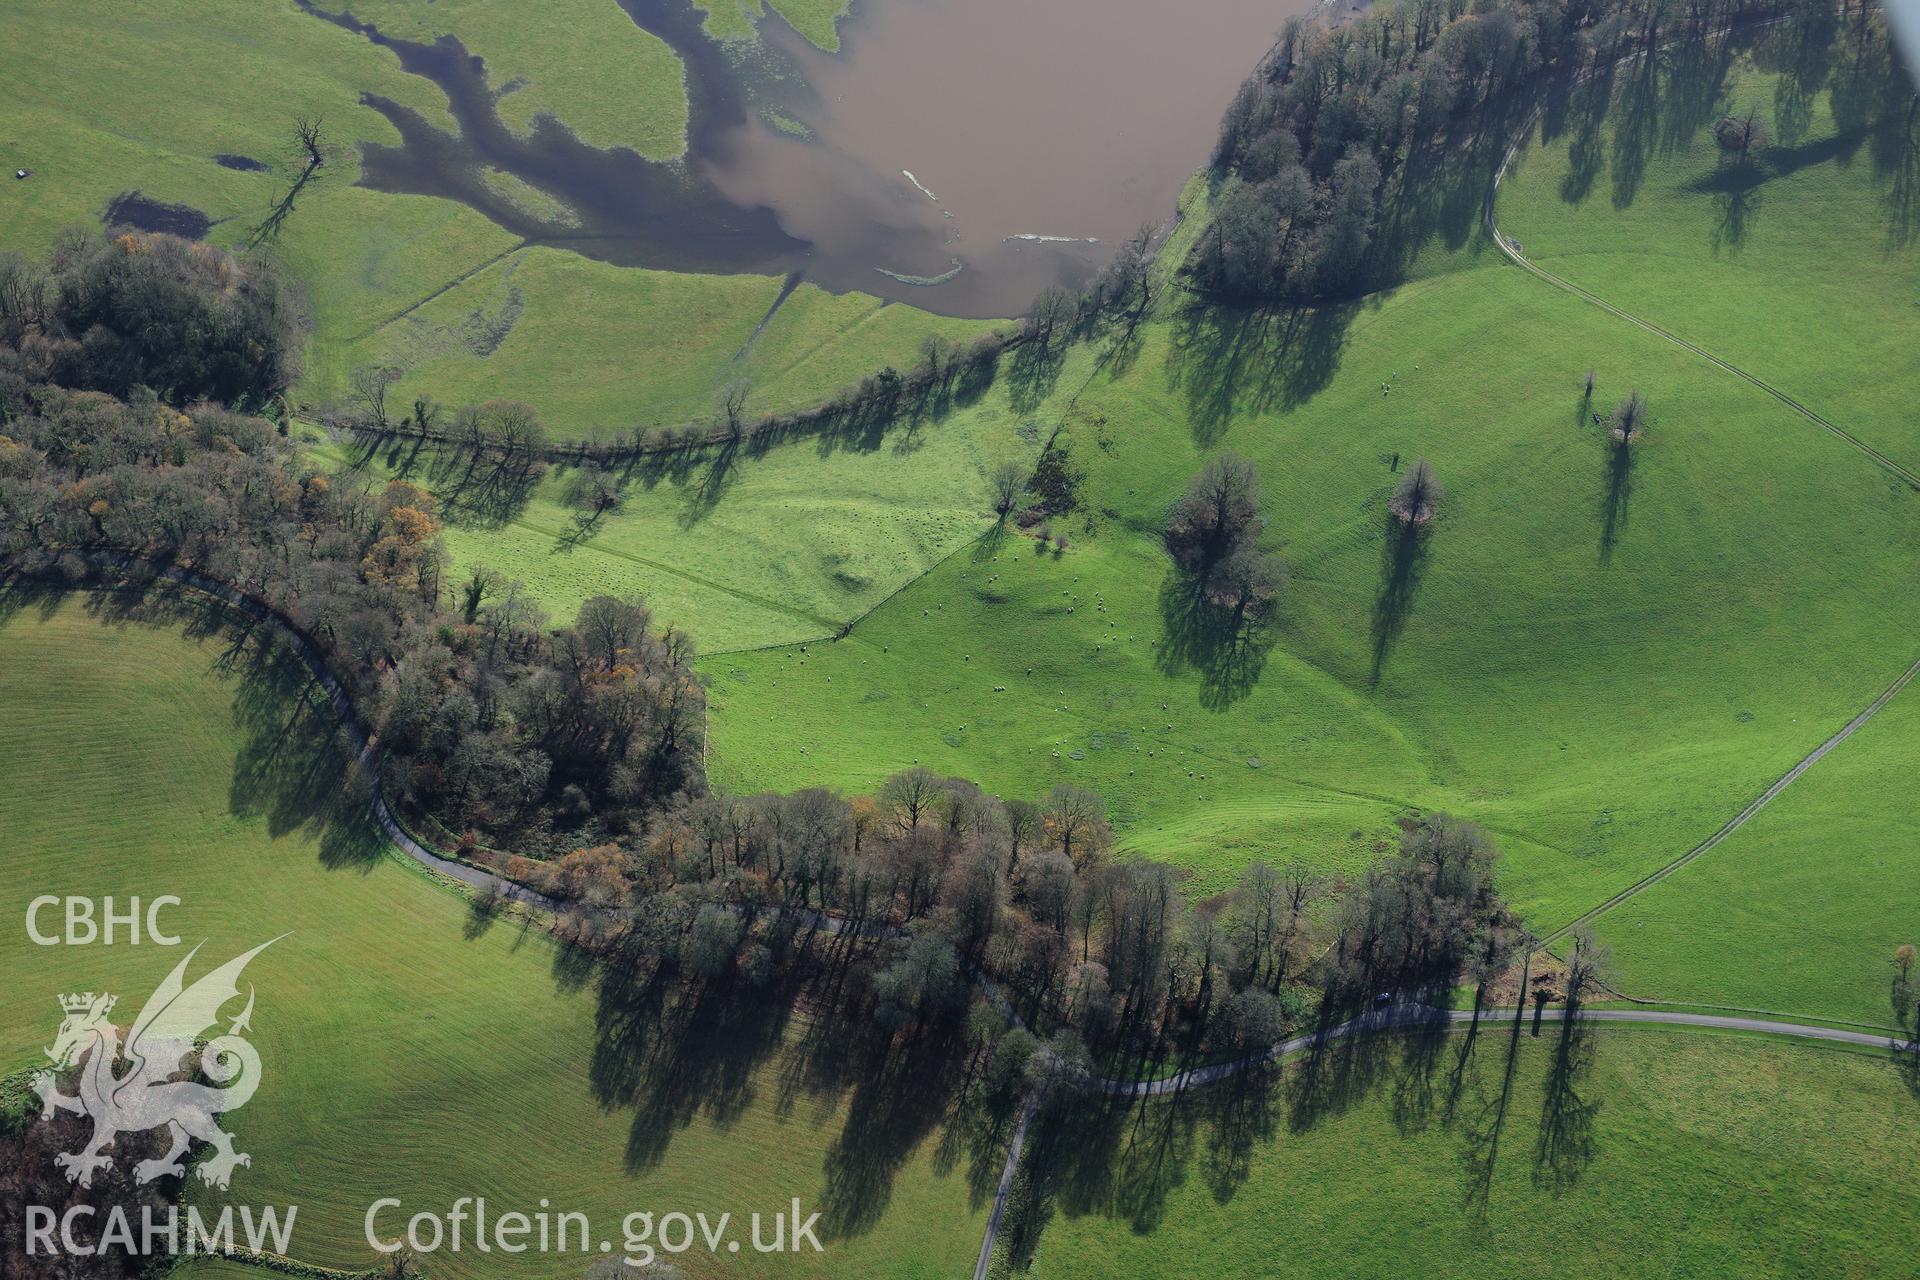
(1601, 672)
(640, 347)
(1671, 1155)
(1768, 263)
(1580, 701)
(817, 20)
(748, 549)
(410, 1049)
(415, 280)
(584, 62)
(384, 972)
(1599, 665)
(1798, 264)
(1800, 910)
(358, 256)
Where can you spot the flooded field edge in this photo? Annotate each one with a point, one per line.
(777, 179)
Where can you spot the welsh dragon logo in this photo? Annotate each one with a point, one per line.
(144, 1096)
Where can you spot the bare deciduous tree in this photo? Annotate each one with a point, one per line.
(1629, 421)
(371, 382)
(1125, 287)
(1416, 501)
(1741, 133)
(731, 402)
(311, 149)
(910, 797)
(1077, 816)
(1589, 965)
(1023, 824)
(1054, 307)
(1007, 481)
(515, 428)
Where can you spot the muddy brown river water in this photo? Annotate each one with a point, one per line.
(991, 146)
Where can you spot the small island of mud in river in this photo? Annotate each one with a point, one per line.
(956, 154)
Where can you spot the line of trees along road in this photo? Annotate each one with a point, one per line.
(580, 745)
(929, 879)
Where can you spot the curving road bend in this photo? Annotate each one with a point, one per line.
(1397, 1019)
(1424, 1018)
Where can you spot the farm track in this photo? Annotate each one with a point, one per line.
(1514, 254)
(445, 288)
(1454, 1019)
(747, 597)
(1401, 1019)
(1740, 819)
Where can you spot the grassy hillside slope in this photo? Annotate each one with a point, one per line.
(1661, 1155)
(614, 348)
(1602, 664)
(1800, 911)
(411, 1048)
(1601, 678)
(743, 548)
(1798, 262)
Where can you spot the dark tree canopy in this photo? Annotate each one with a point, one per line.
(1055, 481)
(1219, 513)
(492, 720)
(1343, 125)
(137, 310)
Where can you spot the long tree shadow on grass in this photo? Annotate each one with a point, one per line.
(1483, 1132)
(1664, 98)
(1615, 495)
(1337, 1074)
(481, 493)
(1228, 649)
(670, 1047)
(1123, 1158)
(1583, 109)
(1403, 558)
(1033, 371)
(22, 594)
(1564, 1144)
(1734, 212)
(292, 768)
(1108, 1156)
(1230, 360)
(1896, 163)
(1904, 998)
(1738, 186)
(1635, 113)
(476, 488)
(702, 497)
